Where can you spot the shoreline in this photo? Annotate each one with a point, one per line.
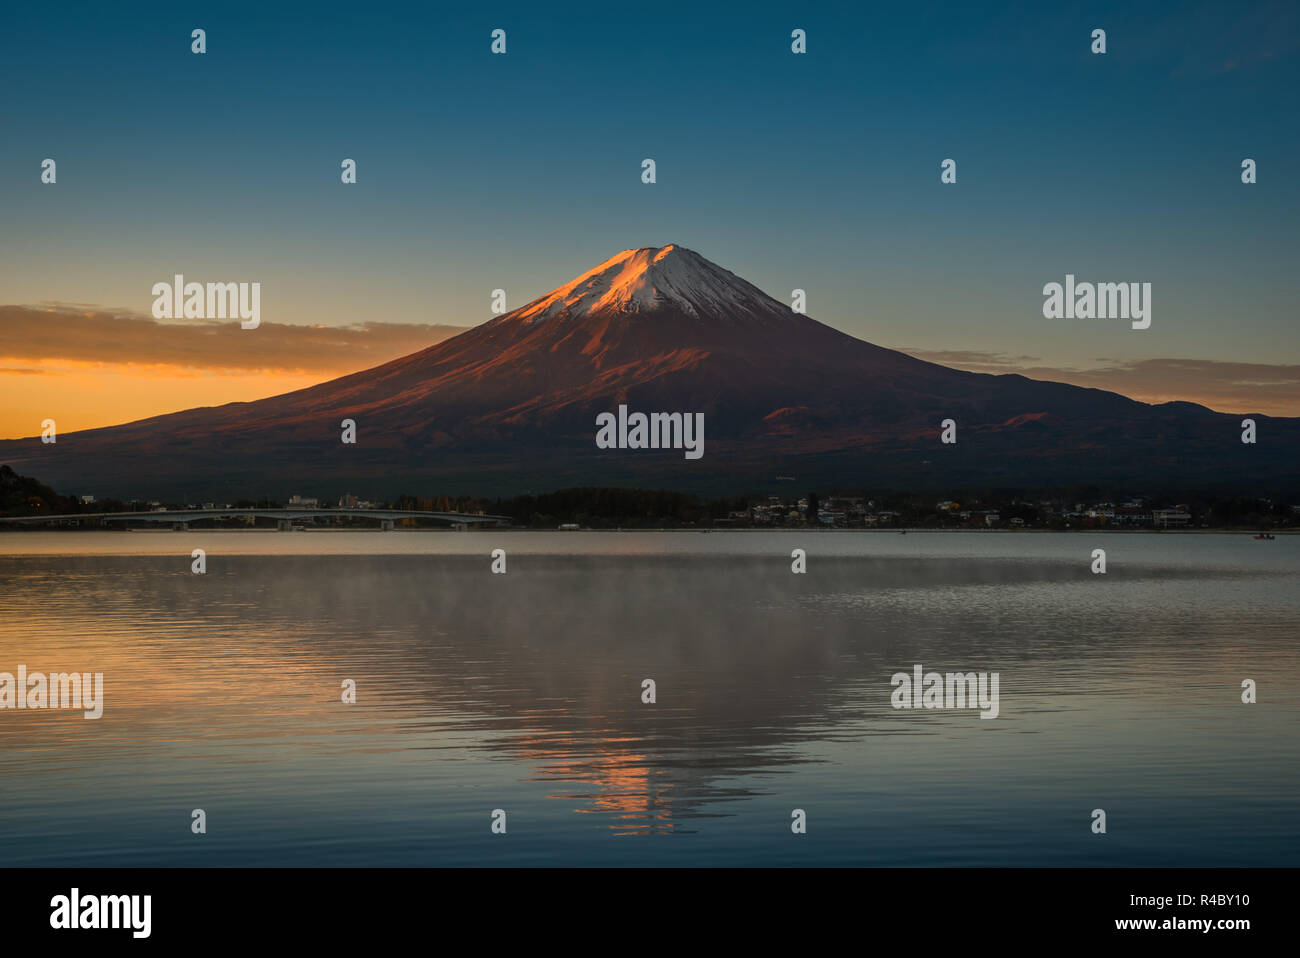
(794, 530)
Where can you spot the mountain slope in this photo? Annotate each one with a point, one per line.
(511, 405)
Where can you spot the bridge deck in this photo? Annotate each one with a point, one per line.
(193, 515)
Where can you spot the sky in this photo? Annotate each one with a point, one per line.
(476, 171)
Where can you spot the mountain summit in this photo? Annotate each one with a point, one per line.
(512, 405)
(652, 278)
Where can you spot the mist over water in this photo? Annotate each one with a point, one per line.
(523, 692)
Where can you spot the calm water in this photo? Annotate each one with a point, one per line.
(523, 692)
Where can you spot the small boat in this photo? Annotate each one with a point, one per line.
(1265, 536)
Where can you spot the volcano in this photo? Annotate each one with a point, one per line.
(511, 406)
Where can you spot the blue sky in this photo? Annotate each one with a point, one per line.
(818, 171)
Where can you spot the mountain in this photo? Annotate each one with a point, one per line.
(511, 406)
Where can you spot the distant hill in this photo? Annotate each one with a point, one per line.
(22, 495)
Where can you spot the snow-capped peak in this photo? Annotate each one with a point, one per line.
(638, 280)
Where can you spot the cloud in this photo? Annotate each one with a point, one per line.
(86, 333)
(1269, 388)
(973, 360)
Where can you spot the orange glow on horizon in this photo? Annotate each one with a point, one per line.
(83, 395)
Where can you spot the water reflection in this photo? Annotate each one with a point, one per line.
(231, 682)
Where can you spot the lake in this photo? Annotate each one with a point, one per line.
(522, 692)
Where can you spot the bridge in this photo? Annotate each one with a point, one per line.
(284, 518)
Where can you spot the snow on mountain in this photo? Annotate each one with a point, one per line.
(652, 278)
